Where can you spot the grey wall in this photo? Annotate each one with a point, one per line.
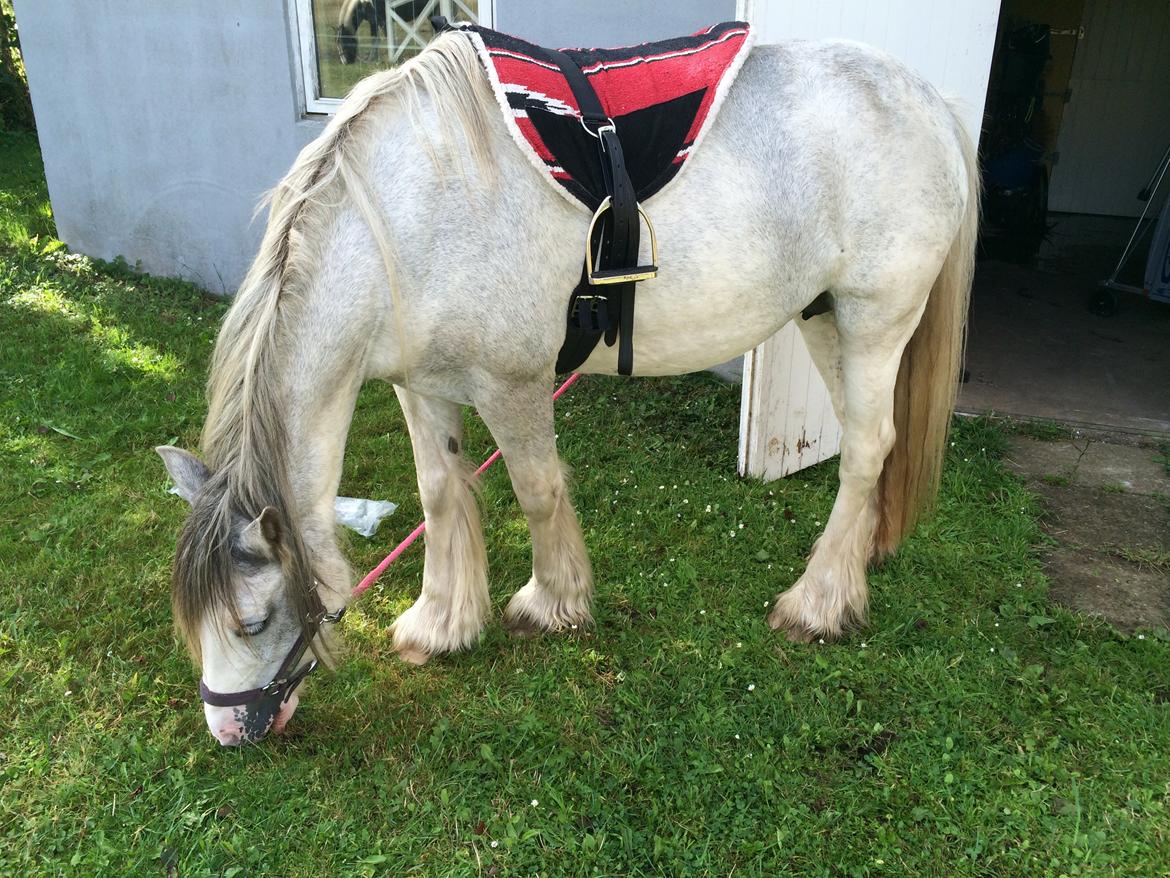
(162, 123)
(607, 22)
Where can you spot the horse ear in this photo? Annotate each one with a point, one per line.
(263, 534)
(187, 471)
(270, 525)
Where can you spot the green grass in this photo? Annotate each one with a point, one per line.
(1039, 428)
(972, 730)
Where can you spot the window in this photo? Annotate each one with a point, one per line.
(341, 41)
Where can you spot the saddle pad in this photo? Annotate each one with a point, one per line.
(661, 96)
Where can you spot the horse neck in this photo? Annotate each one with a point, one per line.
(320, 375)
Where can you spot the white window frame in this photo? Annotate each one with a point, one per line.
(305, 54)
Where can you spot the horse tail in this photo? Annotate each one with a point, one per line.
(928, 379)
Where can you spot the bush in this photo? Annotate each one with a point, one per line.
(15, 107)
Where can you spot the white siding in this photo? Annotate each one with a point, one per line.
(786, 421)
(1117, 124)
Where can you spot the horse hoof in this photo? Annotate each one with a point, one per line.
(413, 655)
(793, 630)
(522, 627)
(533, 611)
(789, 617)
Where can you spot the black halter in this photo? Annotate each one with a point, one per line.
(262, 704)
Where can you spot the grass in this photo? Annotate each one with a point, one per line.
(1040, 428)
(972, 730)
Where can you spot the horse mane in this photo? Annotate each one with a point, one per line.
(243, 439)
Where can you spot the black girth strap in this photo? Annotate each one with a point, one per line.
(606, 310)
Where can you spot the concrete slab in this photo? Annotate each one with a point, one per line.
(1106, 520)
(1127, 595)
(1090, 463)
(1036, 351)
(1107, 511)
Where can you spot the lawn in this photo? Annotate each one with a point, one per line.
(971, 730)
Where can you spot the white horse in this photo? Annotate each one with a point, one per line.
(413, 242)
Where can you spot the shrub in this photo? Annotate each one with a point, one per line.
(15, 107)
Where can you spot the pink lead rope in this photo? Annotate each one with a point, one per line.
(372, 577)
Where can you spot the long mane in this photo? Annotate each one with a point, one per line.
(243, 439)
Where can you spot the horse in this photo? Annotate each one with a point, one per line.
(352, 15)
(412, 242)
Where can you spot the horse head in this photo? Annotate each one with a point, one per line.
(245, 601)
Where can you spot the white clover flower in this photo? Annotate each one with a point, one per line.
(751, 687)
(536, 802)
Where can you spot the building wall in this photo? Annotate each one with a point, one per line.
(162, 123)
(607, 22)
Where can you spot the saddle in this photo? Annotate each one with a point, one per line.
(610, 128)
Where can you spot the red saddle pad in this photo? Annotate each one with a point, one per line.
(661, 96)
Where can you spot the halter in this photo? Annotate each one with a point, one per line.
(262, 704)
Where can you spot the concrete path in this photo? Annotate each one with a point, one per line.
(1108, 511)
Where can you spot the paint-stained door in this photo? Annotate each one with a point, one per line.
(786, 419)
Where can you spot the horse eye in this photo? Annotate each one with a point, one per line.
(251, 629)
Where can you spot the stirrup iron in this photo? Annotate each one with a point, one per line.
(601, 276)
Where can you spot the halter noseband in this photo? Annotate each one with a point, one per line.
(269, 698)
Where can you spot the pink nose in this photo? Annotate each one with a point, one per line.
(223, 725)
(228, 737)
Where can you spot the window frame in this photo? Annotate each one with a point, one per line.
(305, 55)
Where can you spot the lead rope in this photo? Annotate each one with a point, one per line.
(372, 577)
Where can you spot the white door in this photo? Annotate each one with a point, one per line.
(1117, 122)
(786, 419)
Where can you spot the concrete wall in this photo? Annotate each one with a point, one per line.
(162, 123)
(607, 22)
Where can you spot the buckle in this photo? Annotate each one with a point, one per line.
(334, 617)
(274, 687)
(606, 124)
(600, 277)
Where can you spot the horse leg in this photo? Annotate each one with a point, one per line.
(451, 610)
(560, 591)
(859, 361)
